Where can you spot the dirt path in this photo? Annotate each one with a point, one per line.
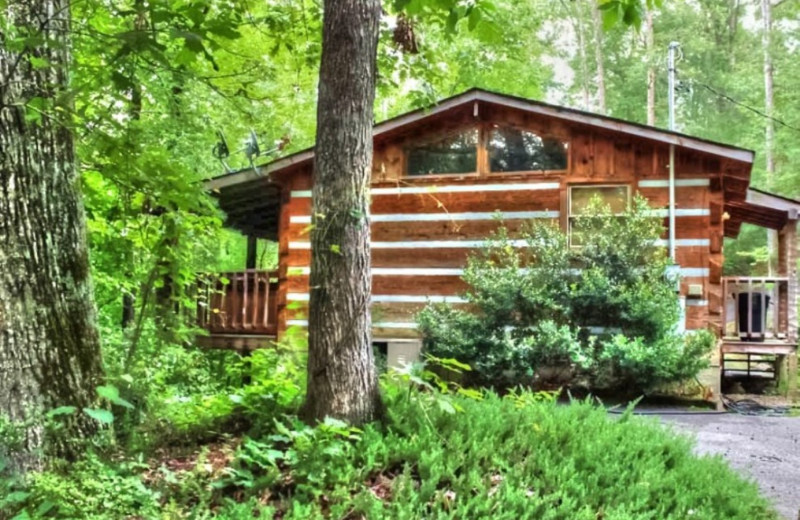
(764, 448)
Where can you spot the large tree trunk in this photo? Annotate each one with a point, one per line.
(769, 108)
(49, 345)
(574, 14)
(597, 24)
(342, 381)
(651, 69)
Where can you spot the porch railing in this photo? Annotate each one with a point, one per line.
(242, 302)
(755, 308)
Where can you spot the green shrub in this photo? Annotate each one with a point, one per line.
(672, 358)
(88, 489)
(520, 456)
(178, 416)
(537, 302)
(506, 355)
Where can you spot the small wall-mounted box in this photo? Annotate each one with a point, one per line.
(695, 290)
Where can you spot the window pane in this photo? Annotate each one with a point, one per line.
(513, 150)
(456, 153)
(615, 197)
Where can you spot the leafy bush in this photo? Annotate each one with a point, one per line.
(178, 416)
(90, 488)
(536, 302)
(671, 358)
(502, 355)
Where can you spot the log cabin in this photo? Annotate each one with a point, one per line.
(439, 177)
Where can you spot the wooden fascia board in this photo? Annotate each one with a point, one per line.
(773, 202)
(249, 174)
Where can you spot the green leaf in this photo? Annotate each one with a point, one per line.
(99, 415)
(44, 508)
(17, 497)
(474, 19)
(38, 63)
(122, 402)
(34, 109)
(61, 410)
(452, 21)
(446, 406)
(109, 392)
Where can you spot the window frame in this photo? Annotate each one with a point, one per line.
(435, 137)
(489, 128)
(483, 161)
(570, 216)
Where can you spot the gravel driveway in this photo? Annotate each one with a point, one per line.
(766, 449)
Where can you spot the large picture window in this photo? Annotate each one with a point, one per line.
(453, 154)
(515, 150)
(616, 198)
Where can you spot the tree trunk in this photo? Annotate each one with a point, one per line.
(597, 24)
(769, 109)
(49, 346)
(651, 69)
(576, 18)
(342, 381)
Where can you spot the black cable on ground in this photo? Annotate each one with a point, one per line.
(752, 407)
(741, 407)
(617, 411)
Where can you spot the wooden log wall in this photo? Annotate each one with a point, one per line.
(424, 228)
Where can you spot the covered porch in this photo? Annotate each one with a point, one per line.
(240, 309)
(758, 325)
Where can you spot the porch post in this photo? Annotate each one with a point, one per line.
(252, 251)
(787, 266)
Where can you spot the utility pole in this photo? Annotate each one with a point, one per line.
(673, 46)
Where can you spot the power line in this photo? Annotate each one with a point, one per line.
(756, 111)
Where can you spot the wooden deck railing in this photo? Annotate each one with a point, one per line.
(755, 308)
(241, 302)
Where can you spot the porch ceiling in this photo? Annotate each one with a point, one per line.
(252, 207)
(760, 208)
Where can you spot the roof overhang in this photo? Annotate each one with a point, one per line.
(252, 206)
(761, 208)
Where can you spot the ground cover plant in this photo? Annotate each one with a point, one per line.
(604, 314)
(443, 452)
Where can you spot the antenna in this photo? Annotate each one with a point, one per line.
(221, 150)
(250, 147)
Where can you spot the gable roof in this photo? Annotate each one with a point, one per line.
(397, 124)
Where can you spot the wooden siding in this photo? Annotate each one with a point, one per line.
(425, 228)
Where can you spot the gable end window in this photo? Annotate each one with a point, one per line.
(615, 197)
(515, 150)
(455, 153)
